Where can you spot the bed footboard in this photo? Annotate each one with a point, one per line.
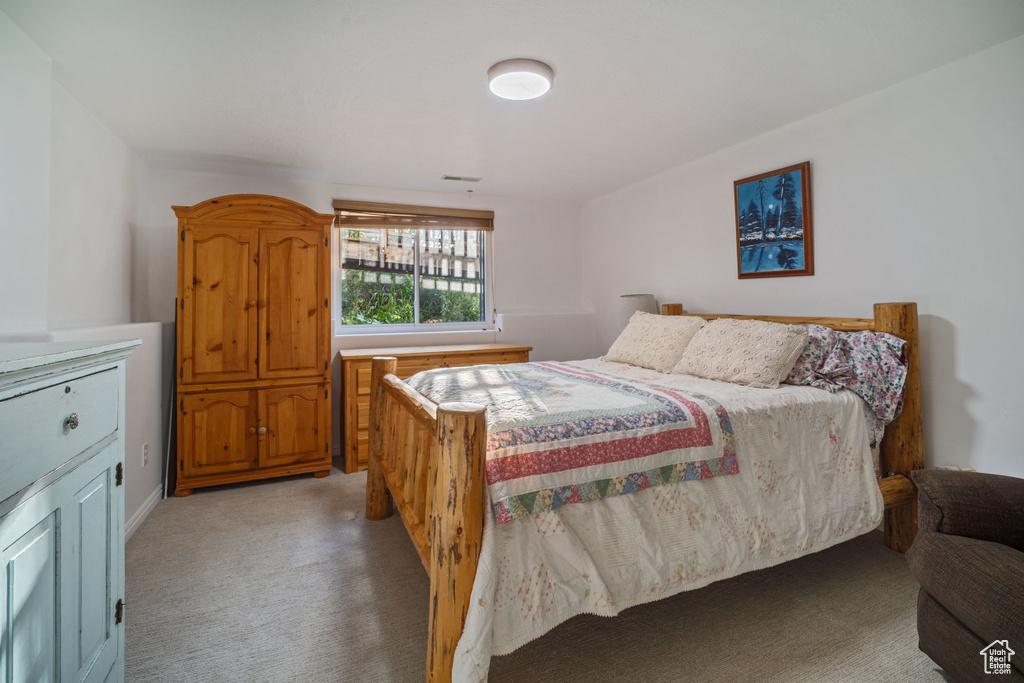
(427, 461)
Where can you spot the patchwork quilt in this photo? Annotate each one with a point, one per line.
(558, 434)
(613, 485)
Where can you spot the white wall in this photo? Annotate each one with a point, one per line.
(93, 194)
(68, 202)
(25, 93)
(916, 197)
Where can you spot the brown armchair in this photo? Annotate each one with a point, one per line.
(968, 557)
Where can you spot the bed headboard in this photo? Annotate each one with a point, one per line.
(902, 447)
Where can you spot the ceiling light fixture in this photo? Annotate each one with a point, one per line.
(520, 79)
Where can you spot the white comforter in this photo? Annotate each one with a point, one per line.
(806, 482)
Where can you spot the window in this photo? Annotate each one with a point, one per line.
(409, 268)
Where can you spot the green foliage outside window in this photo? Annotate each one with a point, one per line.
(372, 302)
(364, 303)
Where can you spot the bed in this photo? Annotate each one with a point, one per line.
(492, 587)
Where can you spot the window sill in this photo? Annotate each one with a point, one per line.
(411, 333)
(397, 339)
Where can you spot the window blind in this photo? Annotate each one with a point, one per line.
(354, 214)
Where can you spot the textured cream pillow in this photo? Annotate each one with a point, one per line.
(752, 352)
(654, 341)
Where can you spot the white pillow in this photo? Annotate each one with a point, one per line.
(654, 341)
(756, 353)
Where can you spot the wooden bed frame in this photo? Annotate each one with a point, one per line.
(426, 460)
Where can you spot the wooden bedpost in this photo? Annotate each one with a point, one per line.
(671, 309)
(378, 499)
(456, 529)
(902, 445)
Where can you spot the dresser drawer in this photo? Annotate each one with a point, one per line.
(482, 359)
(38, 426)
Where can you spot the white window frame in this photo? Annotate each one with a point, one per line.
(485, 325)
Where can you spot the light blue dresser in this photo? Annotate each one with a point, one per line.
(62, 511)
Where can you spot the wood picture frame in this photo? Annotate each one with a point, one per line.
(774, 233)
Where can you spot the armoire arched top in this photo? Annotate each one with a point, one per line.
(254, 209)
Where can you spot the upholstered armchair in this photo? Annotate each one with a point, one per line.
(969, 559)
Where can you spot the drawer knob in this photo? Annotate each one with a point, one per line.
(72, 421)
(252, 430)
(263, 430)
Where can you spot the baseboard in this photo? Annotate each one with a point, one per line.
(140, 515)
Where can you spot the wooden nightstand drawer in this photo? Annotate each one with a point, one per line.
(362, 378)
(487, 359)
(406, 369)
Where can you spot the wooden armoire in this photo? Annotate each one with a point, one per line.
(253, 341)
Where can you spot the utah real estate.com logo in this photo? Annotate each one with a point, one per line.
(997, 657)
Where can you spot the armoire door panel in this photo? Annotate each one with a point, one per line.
(220, 294)
(292, 336)
(219, 432)
(294, 419)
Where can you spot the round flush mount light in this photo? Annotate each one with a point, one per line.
(520, 79)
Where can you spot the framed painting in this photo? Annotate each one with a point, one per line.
(774, 236)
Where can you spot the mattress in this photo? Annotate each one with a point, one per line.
(784, 472)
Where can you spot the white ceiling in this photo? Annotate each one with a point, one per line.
(393, 93)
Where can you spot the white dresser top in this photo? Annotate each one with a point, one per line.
(25, 365)
(23, 355)
(35, 441)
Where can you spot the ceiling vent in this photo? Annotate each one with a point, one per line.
(462, 178)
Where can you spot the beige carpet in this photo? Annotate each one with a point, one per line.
(286, 581)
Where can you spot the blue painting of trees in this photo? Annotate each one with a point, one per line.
(771, 230)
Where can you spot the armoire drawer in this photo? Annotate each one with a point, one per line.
(49, 426)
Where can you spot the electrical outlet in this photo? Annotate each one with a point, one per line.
(145, 454)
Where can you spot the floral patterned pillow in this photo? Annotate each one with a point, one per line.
(822, 363)
(868, 363)
(879, 370)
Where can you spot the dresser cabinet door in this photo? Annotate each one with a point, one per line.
(90, 529)
(60, 556)
(295, 422)
(220, 305)
(293, 283)
(30, 596)
(218, 434)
